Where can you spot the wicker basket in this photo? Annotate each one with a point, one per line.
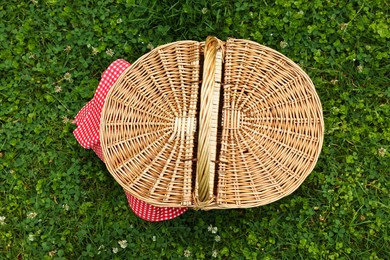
(212, 125)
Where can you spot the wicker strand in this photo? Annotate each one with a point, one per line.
(208, 118)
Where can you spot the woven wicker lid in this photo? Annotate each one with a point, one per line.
(212, 125)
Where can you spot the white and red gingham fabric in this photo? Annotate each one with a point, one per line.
(87, 134)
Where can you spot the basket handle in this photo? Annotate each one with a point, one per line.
(208, 120)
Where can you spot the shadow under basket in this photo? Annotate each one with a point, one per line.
(212, 125)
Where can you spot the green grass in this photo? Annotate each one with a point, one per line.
(341, 211)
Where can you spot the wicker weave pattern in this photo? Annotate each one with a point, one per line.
(263, 138)
(149, 122)
(272, 126)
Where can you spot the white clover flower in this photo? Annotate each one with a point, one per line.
(301, 12)
(204, 10)
(123, 243)
(94, 51)
(215, 253)
(343, 26)
(52, 253)
(334, 81)
(283, 44)
(115, 250)
(31, 215)
(110, 52)
(57, 89)
(31, 237)
(154, 238)
(381, 152)
(65, 207)
(68, 76)
(88, 45)
(209, 228)
(119, 20)
(150, 46)
(2, 220)
(187, 253)
(360, 68)
(214, 230)
(65, 119)
(217, 238)
(68, 48)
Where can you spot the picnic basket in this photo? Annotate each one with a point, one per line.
(211, 125)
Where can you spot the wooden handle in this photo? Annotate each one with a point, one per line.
(208, 119)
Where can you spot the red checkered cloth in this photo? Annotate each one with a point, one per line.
(87, 134)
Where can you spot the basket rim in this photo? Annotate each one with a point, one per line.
(299, 71)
